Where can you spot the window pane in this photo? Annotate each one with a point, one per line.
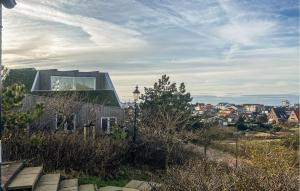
(59, 121)
(104, 124)
(60, 83)
(112, 122)
(85, 83)
(63, 83)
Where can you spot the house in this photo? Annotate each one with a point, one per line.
(253, 108)
(225, 113)
(222, 105)
(209, 107)
(277, 115)
(202, 108)
(266, 110)
(285, 103)
(199, 106)
(91, 96)
(294, 117)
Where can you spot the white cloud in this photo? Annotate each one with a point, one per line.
(215, 47)
(102, 33)
(246, 32)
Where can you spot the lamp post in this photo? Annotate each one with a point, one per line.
(237, 134)
(136, 95)
(9, 4)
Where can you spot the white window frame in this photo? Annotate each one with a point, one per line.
(108, 122)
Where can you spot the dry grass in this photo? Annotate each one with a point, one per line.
(211, 176)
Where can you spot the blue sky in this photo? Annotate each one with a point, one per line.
(217, 47)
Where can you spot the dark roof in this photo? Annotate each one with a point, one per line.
(20, 76)
(27, 76)
(280, 112)
(252, 104)
(297, 112)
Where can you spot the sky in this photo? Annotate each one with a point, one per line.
(216, 47)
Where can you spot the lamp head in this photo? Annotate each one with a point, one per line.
(136, 93)
(9, 4)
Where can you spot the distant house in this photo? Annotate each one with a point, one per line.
(267, 110)
(222, 105)
(99, 102)
(294, 117)
(277, 115)
(199, 106)
(225, 113)
(285, 103)
(297, 105)
(253, 108)
(209, 107)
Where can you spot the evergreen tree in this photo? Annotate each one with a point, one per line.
(14, 116)
(167, 102)
(240, 125)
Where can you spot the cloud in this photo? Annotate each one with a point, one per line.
(246, 32)
(216, 47)
(103, 34)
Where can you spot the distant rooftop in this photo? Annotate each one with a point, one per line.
(280, 112)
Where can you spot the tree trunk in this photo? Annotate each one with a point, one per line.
(167, 157)
(167, 161)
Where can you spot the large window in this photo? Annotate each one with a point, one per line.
(64, 83)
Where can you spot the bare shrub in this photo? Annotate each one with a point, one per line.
(203, 175)
(64, 105)
(69, 152)
(152, 150)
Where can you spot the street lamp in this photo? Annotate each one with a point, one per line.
(9, 4)
(136, 95)
(237, 134)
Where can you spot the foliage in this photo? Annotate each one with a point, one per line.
(273, 159)
(206, 135)
(69, 152)
(262, 118)
(240, 125)
(104, 157)
(277, 128)
(166, 103)
(120, 182)
(118, 133)
(166, 111)
(152, 150)
(14, 76)
(14, 115)
(127, 174)
(205, 175)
